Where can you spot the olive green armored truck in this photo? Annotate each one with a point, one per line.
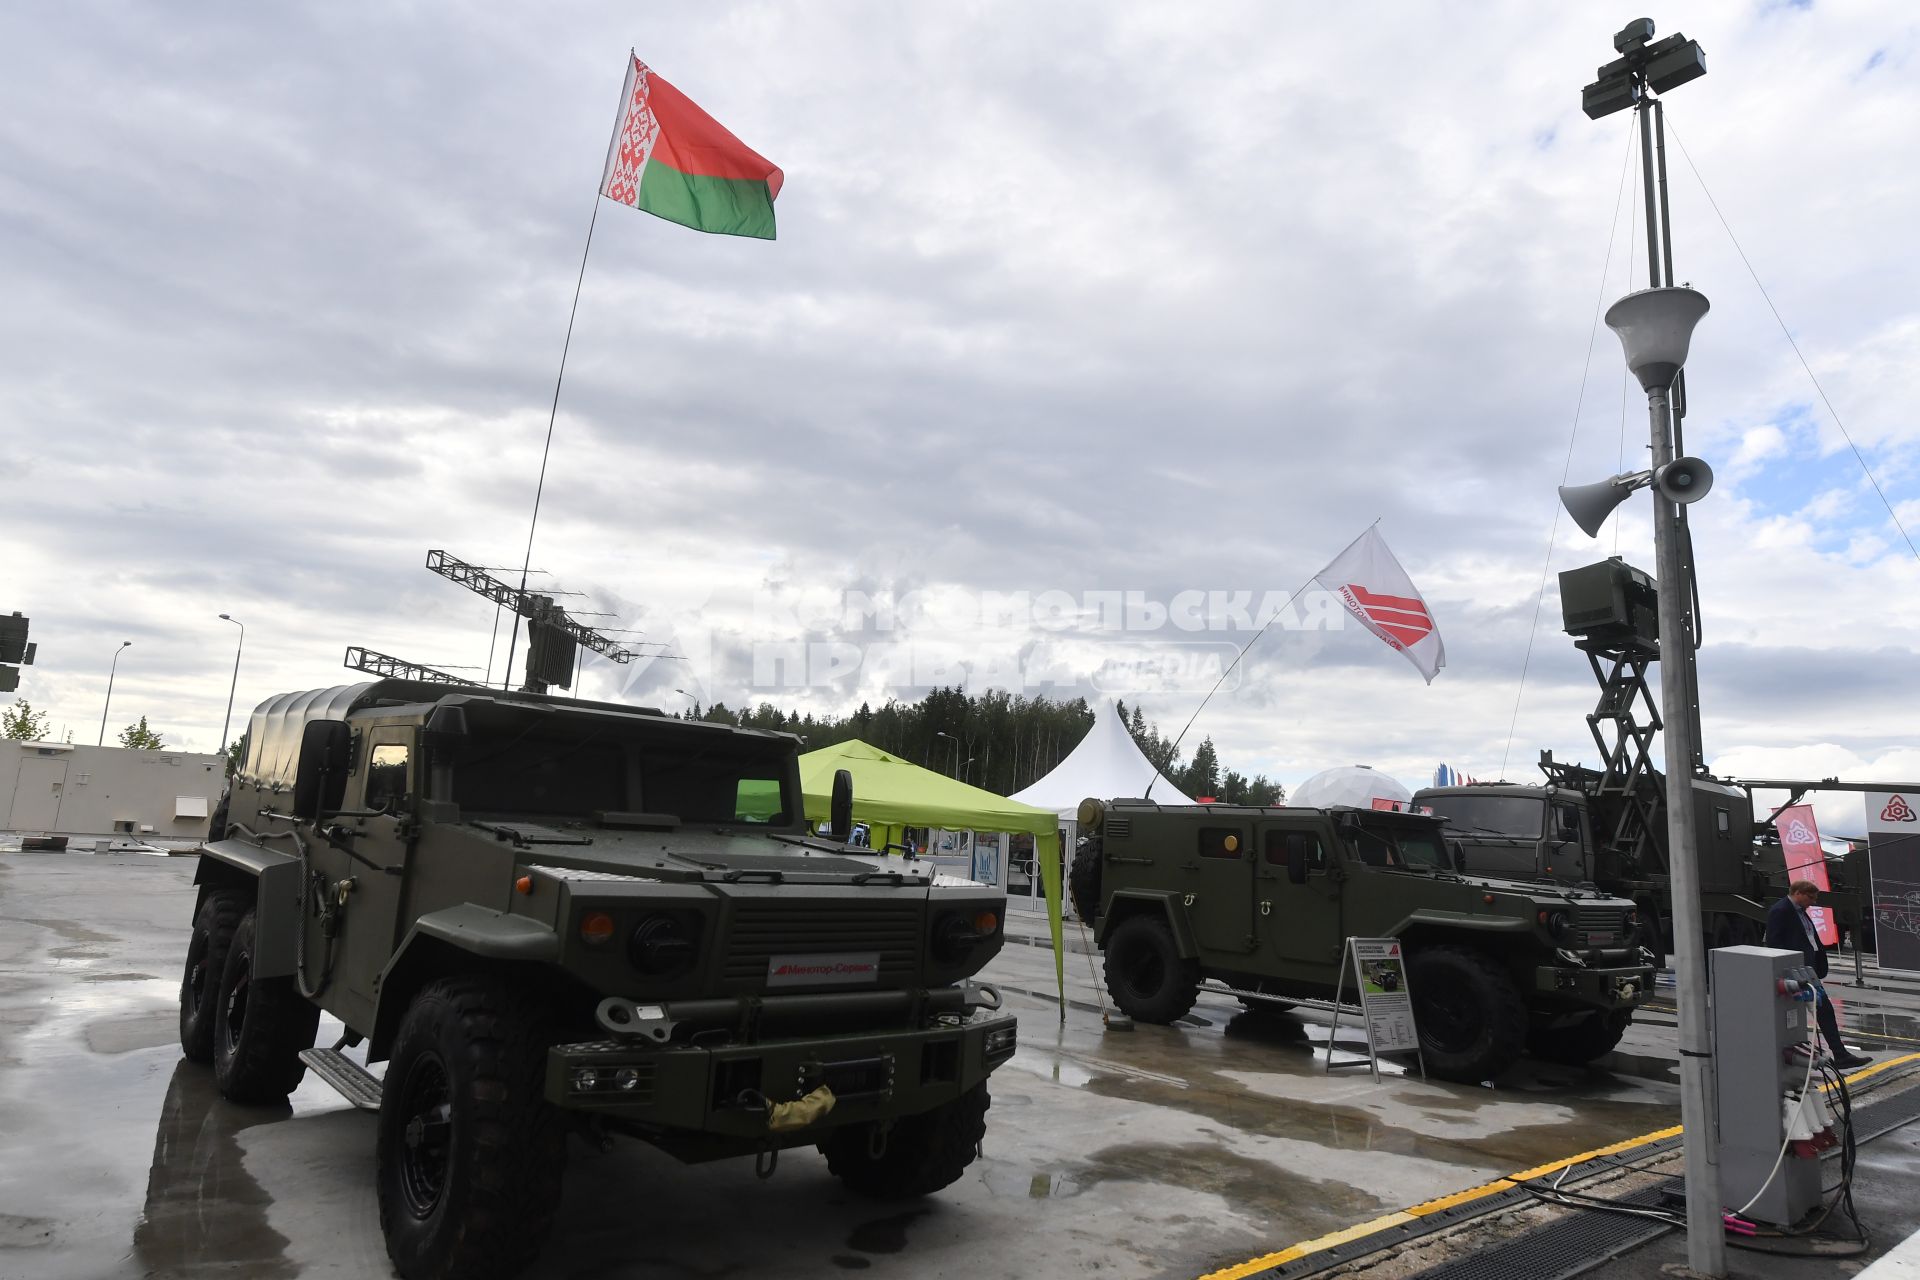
(1263, 900)
(550, 916)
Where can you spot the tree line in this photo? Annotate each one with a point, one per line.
(999, 741)
(23, 722)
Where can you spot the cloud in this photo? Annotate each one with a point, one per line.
(1076, 297)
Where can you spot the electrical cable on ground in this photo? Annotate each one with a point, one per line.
(1566, 468)
(1801, 356)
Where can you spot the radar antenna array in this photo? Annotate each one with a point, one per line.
(375, 663)
(554, 635)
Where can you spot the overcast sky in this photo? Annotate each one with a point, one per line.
(1066, 298)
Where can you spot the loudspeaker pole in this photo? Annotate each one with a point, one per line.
(1655, 329)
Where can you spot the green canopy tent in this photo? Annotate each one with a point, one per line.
(890, 794)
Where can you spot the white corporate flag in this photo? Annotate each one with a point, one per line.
(1376, 590)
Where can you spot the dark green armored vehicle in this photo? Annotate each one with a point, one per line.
(1263, 900)
(551, 916)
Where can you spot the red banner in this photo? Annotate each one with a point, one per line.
(1806, 860)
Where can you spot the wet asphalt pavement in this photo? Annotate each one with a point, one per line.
(1160, 1152)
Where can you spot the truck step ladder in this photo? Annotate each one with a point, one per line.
(355, 1083)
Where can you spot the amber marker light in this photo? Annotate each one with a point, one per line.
(985, 923)
(524, 886)
(596, 927)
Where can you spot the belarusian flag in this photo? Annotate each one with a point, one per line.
(671, 159)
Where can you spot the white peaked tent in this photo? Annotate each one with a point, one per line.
(1105, 765)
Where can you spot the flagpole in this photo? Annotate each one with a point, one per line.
(1243, 653)
(506, 675)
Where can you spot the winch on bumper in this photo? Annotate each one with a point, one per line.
(1622, 987)
(645, 1078)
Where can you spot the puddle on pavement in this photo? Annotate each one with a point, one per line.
(1261, 1190)
(1279, 1088)
(203, 1210)
(1014, 1180)
(137, 1031)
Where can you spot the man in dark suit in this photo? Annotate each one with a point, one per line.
(1789, 928)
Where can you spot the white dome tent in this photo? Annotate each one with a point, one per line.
(1107, 764)
(1358, 785)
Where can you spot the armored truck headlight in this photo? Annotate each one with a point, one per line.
(956, 933)
(665, 945)
(1000, 1040)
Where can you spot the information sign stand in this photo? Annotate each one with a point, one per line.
(1386, 1002)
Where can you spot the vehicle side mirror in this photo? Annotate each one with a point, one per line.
(840, 813)
(1457, 855)
(1297, 860)
(320, 779)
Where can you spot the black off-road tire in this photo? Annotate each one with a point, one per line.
(1594, 1036)
(470, 1154)
(1472, 1021)
(923, 1153)
(261, 1026)
(1146, 975)
(213, 925)
(1083, 881)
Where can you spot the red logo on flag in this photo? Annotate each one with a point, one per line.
(1404, 618)
(1898, 810)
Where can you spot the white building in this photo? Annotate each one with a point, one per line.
(57, 788)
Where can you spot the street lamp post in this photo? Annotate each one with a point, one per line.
(228, 722)
(102, 739)
(942, 733)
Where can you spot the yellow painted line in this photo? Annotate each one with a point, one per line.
(1267, 1261)
(1878, 1067)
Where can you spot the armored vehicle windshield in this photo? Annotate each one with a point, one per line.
(522, 761)
(1385, 842)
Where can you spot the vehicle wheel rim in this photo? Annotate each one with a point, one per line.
(196, 979)
(426, 1133)
(1146, 974)
(236, 1011)
(1449, 1021)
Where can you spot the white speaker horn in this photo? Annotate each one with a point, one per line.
(1591, 504)
(1656, 328)
(1684, 480)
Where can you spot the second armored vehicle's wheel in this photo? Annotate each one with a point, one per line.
(213, 926)
(1594, 1036)
(1473, 1023)
(470, 1153)
(918, 1156)
(263, 1024)
(1083, 881)
(1146, 975)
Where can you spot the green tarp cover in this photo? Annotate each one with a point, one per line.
(890, 793)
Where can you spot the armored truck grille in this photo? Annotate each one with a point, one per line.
(761, 932)
(1601, 926)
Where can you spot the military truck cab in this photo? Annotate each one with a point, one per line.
(546, 915)
(1573, 831)
(1262, 900)
(1516, 831)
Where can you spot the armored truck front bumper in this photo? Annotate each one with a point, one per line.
(725, 1091)
(1609, 989)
